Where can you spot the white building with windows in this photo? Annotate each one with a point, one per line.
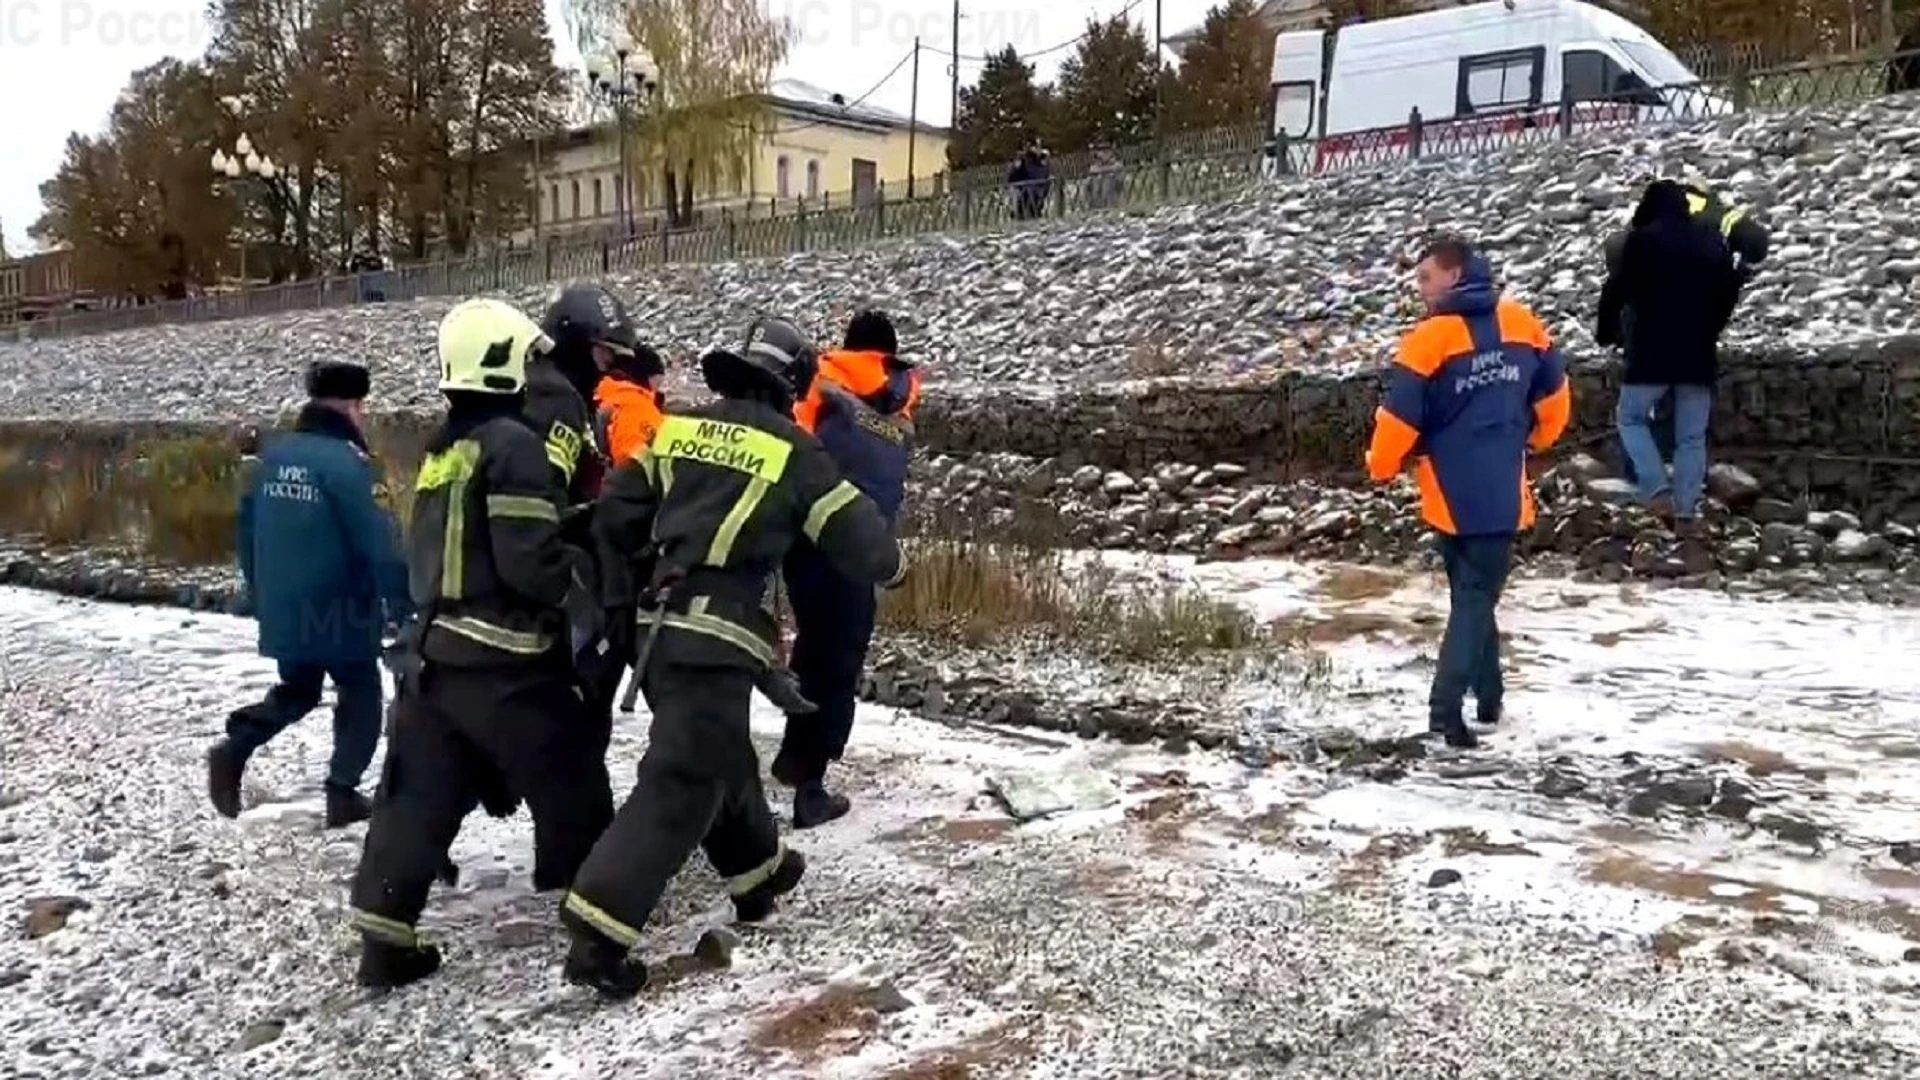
(819, 151)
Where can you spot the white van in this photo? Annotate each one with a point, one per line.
(1480, 74)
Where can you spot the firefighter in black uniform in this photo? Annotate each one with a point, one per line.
(722, 493)
(591, 334)
(494, 706)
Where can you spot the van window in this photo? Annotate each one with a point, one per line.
(1495, 81)
(1293, 109)
(1590, 75)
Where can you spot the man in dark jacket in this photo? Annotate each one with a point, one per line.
(861, 409)
(1679, 282)
(723, 494)
(495, 705)
(319, 560)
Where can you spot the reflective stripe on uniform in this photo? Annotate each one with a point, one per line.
(741, 884)
(595, 916)
(392, 931)
(498, 637)
(730, 446)
(453, 469)
(700, 621)
(527, 507)
(826, 506)
(666, 475)
(563, 448)
(736, 519)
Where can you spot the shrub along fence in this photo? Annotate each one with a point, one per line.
(1188, 167)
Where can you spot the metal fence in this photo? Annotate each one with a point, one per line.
(1189, 167)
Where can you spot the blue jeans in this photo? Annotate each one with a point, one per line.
(1477, 569)
(356, 715)
(1692, 407)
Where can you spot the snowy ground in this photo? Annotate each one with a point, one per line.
(1296, 920)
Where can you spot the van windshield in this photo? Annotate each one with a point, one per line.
(1662, 68)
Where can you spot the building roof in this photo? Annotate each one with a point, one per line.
(813, 105)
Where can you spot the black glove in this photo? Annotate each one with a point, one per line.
(782, 688)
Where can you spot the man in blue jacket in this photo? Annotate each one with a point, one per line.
(320, 560)
(1477, 385)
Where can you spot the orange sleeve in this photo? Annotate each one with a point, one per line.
(1396, 423)
(1551, 393)
(806, 411)
(632, 428)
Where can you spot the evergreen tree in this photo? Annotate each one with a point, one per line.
(1106, 91)
(1226, 72)
(1000, 114)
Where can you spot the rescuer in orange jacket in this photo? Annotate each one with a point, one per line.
(1477, 385)
(630, 402)
(861, 409)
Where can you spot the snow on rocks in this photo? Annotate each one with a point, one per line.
(1219, 922)
(1586, 519)
(1289, 275)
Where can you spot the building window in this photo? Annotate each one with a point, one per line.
(813, 179)
(575, 184)
(553, 211)
(783, 177)
(598, 208)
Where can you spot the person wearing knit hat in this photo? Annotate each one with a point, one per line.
(321, 564)
(861, 409)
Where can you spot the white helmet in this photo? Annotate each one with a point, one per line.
(484, 346)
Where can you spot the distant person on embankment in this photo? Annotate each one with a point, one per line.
(1477, 385)
(321, 561)
(1668, 296)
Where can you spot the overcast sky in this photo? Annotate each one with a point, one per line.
(62, 62)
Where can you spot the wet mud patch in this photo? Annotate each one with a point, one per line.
(1761, 762)
(1335, 627)
(1762, 900)
(1348, 584)
(837, 1021)
(1607, 639)
(1364, 868)
(1458, 842)
(1002, 1046)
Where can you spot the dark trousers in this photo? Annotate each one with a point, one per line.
(471, 734)
(698, 786)
(356, 714)
(1477, 569)
(833, 619)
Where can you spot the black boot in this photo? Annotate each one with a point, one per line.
(225, 766)
(814, 805)
(758, 902)
(1456, 732)
(1486, 717)
(386, 966)
(601, 963)
(345, 806)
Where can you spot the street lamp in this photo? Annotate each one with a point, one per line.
(238, 169)
(630, 77)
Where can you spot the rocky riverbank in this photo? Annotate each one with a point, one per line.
(1587, 528)
(1301, 276)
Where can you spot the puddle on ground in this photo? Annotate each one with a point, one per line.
(1630, 870)
(1308, 629)
(1351, 583)
(1762, 762)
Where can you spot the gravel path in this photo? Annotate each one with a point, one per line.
(934, 939)
(1305, 274)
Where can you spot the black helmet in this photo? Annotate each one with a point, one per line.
(778, 356)
(582, 315)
